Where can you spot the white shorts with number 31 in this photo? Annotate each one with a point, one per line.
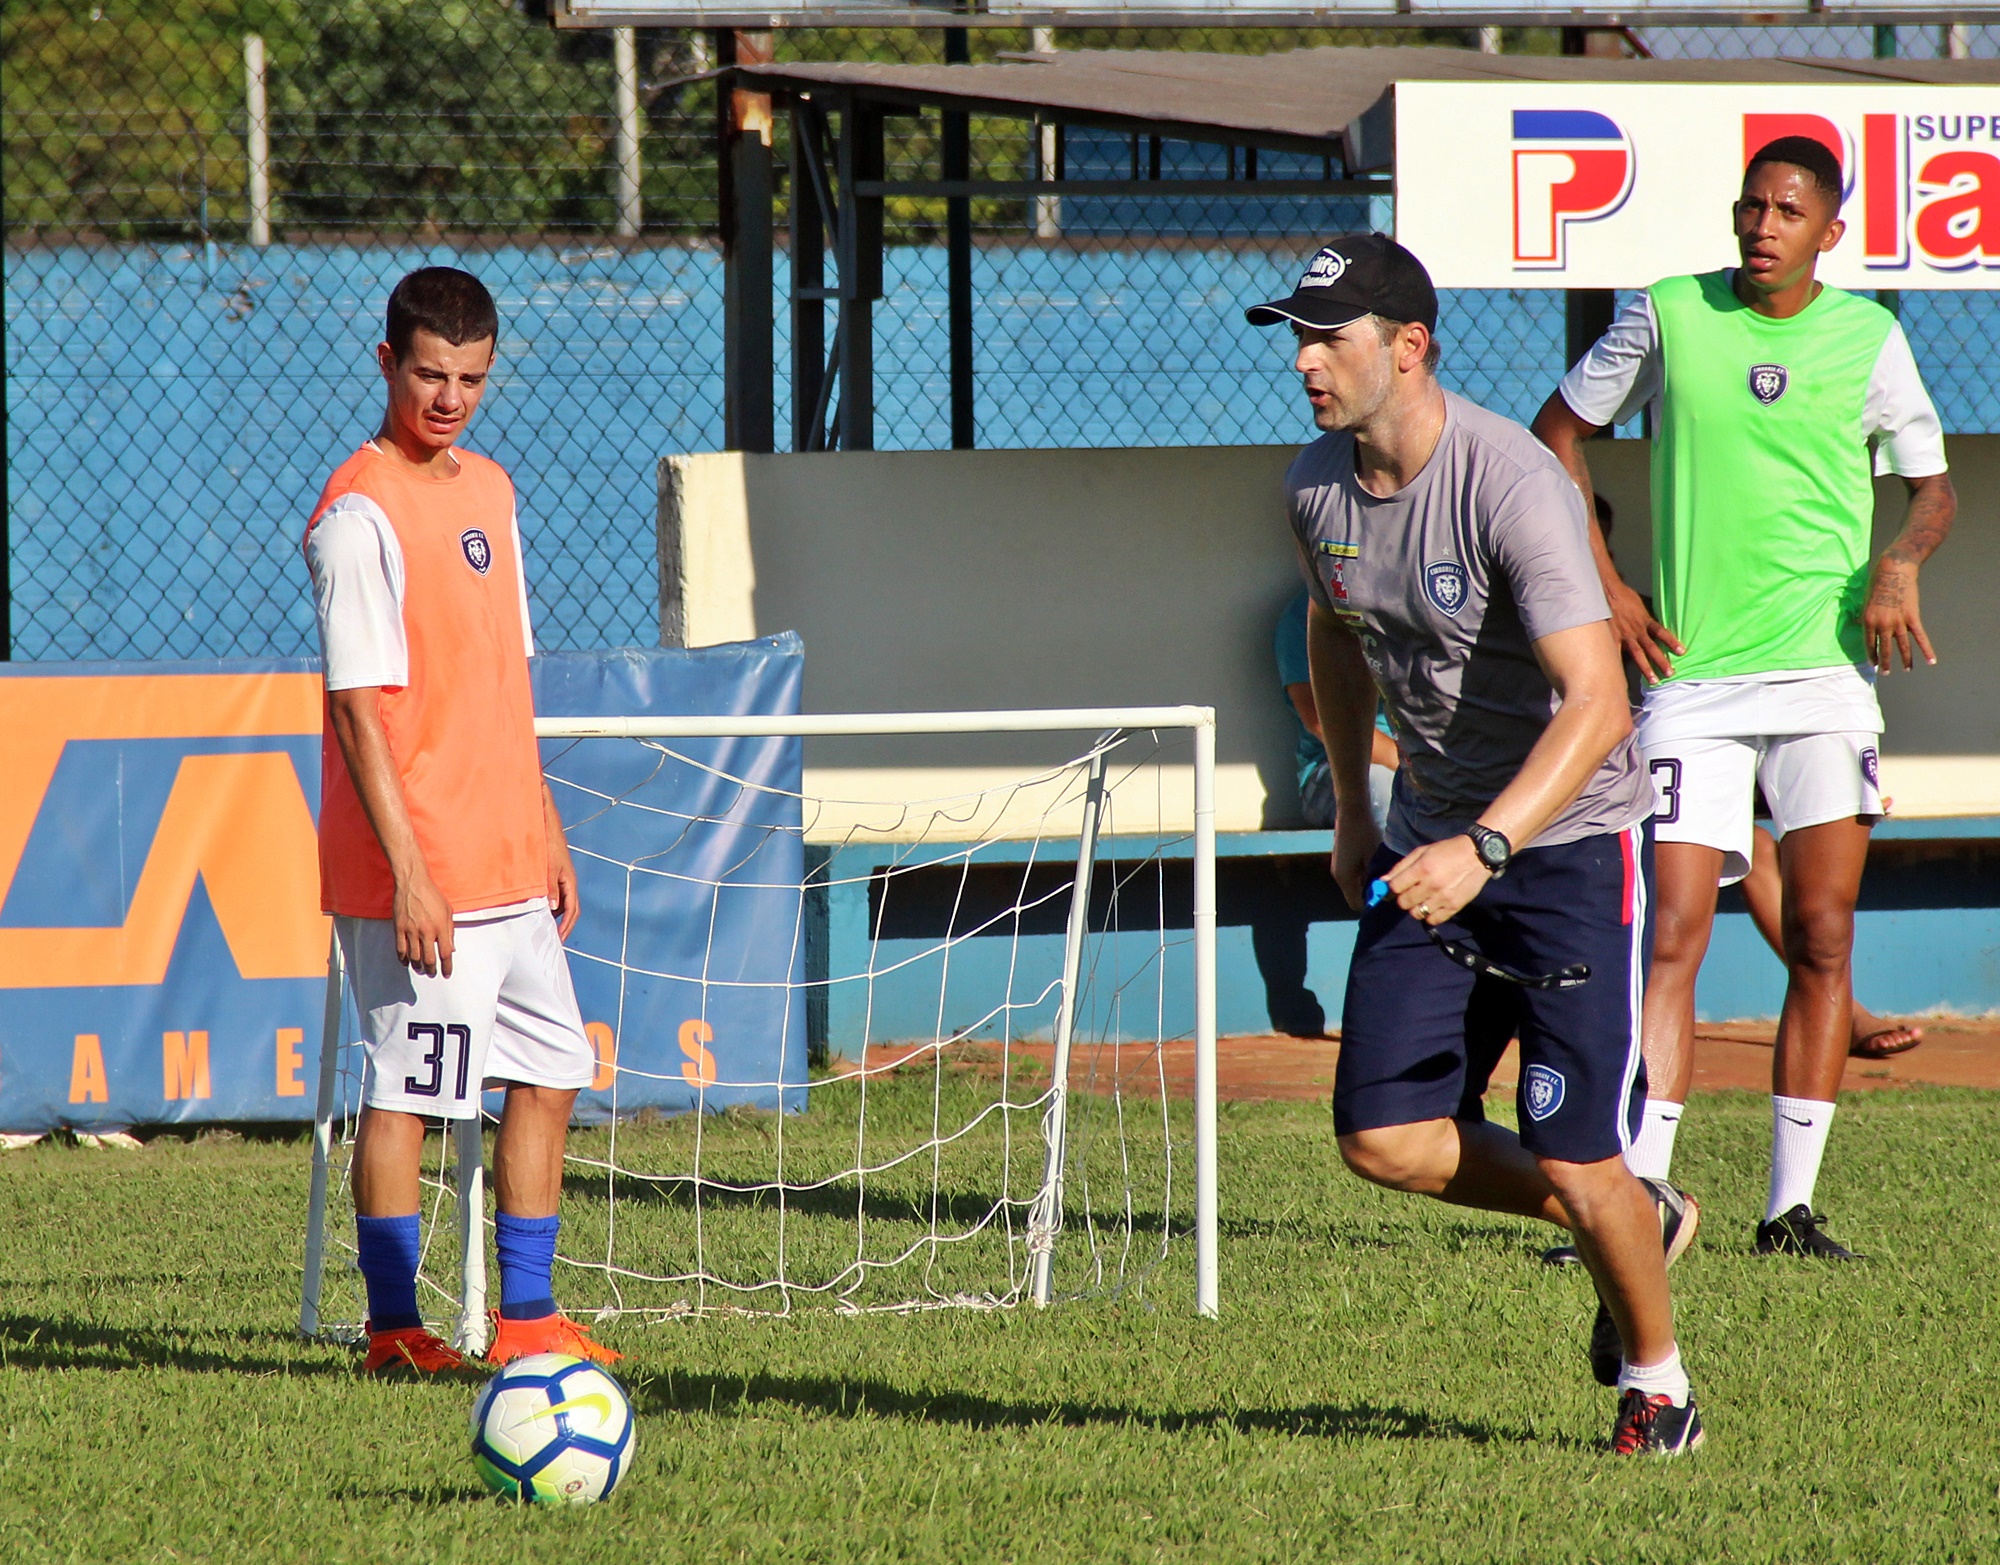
(508, 1013)
(1810, 743)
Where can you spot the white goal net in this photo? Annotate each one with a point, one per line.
(877, 1036)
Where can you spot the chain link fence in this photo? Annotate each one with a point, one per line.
(193, 291)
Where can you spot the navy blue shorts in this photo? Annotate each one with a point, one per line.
(1420, 1035)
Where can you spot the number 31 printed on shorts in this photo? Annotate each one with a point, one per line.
(435, 1033)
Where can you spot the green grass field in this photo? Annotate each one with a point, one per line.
(1391, 1380)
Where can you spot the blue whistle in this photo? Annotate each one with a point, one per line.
(1378, 892)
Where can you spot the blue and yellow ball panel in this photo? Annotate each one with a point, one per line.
(553, 1429)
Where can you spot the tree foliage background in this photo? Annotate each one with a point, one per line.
(126, 120)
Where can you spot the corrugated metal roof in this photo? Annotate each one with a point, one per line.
(1308, 99)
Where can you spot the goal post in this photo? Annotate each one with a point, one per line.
(457, 1179)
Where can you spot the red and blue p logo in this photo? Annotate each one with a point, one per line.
(1570, 166)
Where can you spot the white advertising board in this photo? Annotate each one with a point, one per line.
(1551, 185)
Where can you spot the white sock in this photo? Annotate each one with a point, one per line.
(1799, 1129)
(1651, 1155)
(1665, 1378)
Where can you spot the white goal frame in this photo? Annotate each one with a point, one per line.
(470, 1333)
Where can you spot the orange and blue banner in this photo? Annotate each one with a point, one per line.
(162, 951)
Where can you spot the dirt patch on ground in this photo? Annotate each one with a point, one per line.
(1955, 1053)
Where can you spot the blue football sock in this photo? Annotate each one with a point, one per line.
(389, 1247)
(527, 1251)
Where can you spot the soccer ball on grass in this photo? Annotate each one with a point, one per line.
(552, 1428)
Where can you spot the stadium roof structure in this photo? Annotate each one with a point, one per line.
(1336, 104)
(1306, 100)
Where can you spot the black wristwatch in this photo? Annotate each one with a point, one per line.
(1494, 850)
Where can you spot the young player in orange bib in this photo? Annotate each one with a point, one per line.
(442, 858)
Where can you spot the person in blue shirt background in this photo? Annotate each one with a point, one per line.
(1315, 776)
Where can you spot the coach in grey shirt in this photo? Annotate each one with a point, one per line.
(1446, 552)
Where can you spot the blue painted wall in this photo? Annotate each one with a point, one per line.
(949, 964)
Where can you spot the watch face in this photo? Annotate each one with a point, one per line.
(1492, 852)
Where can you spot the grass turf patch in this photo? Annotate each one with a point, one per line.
(1392, 1379)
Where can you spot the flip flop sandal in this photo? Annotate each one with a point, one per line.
(1883, 1044)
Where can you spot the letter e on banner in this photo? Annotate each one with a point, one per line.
(87, 1081)
(290, 1062)
(183, 1065)
(700, 1068)
(604, 1049)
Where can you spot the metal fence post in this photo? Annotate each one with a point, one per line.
(743, 166)
(955, 162)
(625, 66)
(258, 140)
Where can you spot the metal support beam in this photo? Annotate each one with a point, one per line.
(625, 73)
(860, 252)
(743, 169)
(257, 140)
(809, 372)
(955, 163)
(1125, 187)
(1587, 314)
(1885, 49)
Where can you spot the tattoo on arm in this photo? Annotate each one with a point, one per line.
(1926, 523)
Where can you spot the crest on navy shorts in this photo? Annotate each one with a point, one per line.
(1542, 1090)
(1768, 382)
(478, 552)
(1445, 586)
(1871, 768)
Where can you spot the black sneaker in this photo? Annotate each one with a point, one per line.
(1797, 1233)
(1653, 1426)
(1680, 1217)
(1561, 1255)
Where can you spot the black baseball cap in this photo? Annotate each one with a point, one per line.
(1355, 275)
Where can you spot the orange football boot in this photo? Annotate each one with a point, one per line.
(555, 1333)
(411, 1353)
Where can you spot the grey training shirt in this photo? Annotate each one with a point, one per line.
(1449, 583)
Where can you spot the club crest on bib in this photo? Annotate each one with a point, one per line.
(1445, 585)
(1768, 382)
(1542, 1091)
(1871, 768)
(478, 552)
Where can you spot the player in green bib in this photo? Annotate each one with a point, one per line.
(1769, 392)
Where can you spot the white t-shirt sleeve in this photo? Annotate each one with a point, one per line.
(1621, 372)
(521, 575)
(357, 577)
(1898, 416)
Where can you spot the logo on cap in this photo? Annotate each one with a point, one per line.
(1328, 267)
(1768, 382)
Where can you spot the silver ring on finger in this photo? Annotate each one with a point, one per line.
(1423, 910)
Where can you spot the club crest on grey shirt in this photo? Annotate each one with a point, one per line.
(1448, 584)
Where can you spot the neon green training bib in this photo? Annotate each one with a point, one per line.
(1762, 491)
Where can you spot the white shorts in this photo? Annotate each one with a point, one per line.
(1705, 789)
(1808, 741)
(508, 1013)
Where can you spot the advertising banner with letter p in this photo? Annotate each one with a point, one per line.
(1597, 185)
